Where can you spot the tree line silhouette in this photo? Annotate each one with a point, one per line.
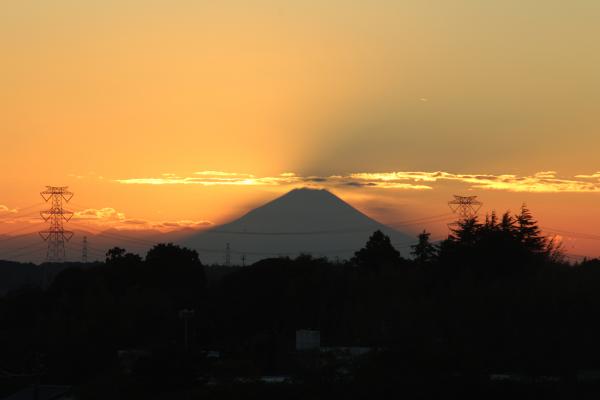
(496, 296)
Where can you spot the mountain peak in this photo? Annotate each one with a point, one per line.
(302, 220)
(305, 193)
(302, 205)
(306, 189)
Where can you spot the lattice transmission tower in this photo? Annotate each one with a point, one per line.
(465, 206)
(55, 235)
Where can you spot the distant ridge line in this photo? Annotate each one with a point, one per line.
(289, 233)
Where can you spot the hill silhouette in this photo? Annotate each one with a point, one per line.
(30, 247)
(303, 220)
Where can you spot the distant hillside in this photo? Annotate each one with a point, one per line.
(31, 248)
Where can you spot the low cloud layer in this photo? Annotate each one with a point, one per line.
(99, 214)
(591, 176)
(108, 217)
(541, 182)
(215, 178)
(5, 210)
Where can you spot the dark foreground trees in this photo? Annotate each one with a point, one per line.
(424, 252)
(492, 298)
(378, 254)
(87, 315)
(512, 245)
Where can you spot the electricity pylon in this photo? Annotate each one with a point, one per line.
(465, 206)
(56, 236)
(84, 250)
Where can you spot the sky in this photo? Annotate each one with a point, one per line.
(180, 113)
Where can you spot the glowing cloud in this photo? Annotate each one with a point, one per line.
(213, 178)
(107, 213)
(183, 224)
(5, 210)
(217, 178)
(108, 217)
(591, 176)
(541, 182)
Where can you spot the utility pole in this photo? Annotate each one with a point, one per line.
(55, 235)
(186, 315)
(243, 260)
(227, 255)
(84, 250)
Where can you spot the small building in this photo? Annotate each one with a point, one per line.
(307, 340)
(212, 354)
(129, 357)
(588, 375)
(347, 352)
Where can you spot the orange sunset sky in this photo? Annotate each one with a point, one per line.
(179, 113)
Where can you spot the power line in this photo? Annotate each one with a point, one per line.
(9, 238)
(11, 214)
(576, 256)
(427, 222)
(417, 220)
(102, 252)
(29, 253)
(18, 217)
(145, 242)
(292, 233)
(98, 232)
(577, 235)
(323, 251)
(346, 230)
(19, 252)
(139, 241)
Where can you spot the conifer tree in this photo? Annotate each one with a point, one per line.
(466, 231)
(424, 251)
(491, 221)
(507, 224)
(528, 232)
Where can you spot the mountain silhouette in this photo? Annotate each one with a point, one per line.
(312, 221)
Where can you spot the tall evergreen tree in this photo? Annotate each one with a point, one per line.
(491, 221)
(507, 224)
(528, 232)
(465, 232)
(424, 251)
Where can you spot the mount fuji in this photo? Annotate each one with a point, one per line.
(309, 221)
